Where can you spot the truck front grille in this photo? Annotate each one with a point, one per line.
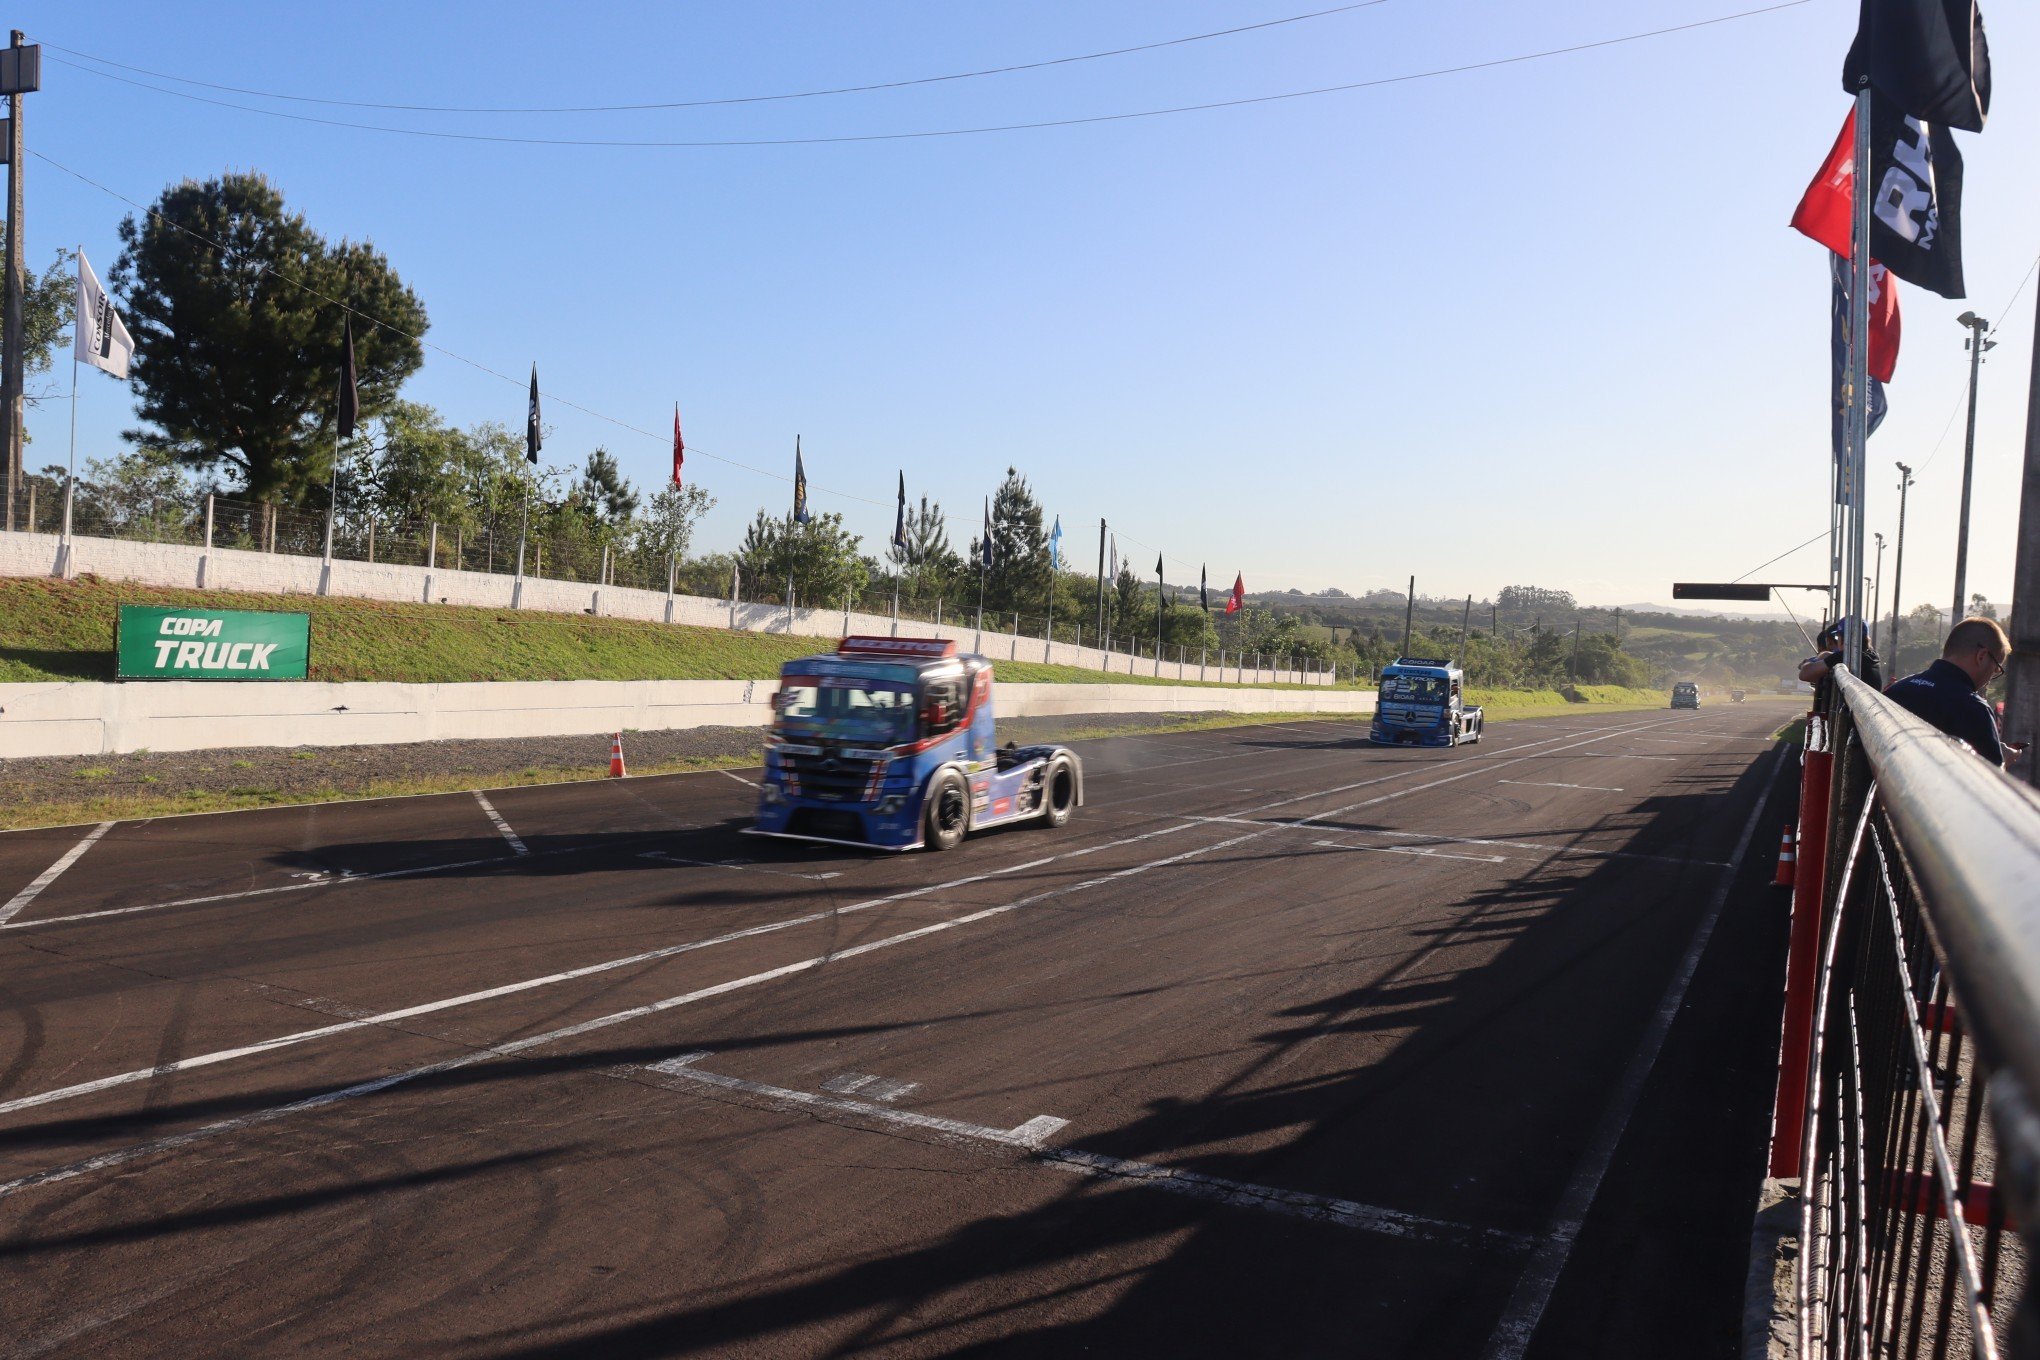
(833, 777)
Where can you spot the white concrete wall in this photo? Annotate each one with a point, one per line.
(87, 718)
(182, 565)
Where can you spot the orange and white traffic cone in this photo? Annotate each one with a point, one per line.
(616, 770)
(1788, 859)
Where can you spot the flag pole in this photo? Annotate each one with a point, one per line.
(70, 477)
(1859, 384)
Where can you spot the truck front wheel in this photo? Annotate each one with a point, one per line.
(1059, 791)
(948, 812)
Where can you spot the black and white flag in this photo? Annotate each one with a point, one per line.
(103, 341)
(1915, 199)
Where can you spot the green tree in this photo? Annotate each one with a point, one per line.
(820, 558)
(47, 301)
(666, 529)
(603, 492)
(1018, 577)
(238, 349)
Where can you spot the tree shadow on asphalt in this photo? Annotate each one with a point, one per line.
(1460, 1083)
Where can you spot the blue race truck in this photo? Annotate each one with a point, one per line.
(887, 744)
(1422, 702)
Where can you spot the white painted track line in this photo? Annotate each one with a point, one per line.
(670, 951)
(1534, 1287)
(1541, 784)
(1032, 1136)
(48, 876)
(516, 846)
(747, 783)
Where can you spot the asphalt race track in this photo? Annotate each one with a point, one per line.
(1286, 1046)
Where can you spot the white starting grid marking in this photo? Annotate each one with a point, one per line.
(1032, 1138)
(747, 783)
(517, 846)
(748, 866)
(48, 876)
(1541, 784)
(871, 1088)
(1414, 851)
(121, 1156)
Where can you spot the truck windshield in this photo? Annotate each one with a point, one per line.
(1421, 689)
(846, 708)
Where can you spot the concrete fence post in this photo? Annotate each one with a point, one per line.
(432, 551)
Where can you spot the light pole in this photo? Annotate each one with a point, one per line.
(1976, 345)
(1905, 481)
(1876, 591)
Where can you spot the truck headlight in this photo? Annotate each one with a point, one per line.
(888, 806)
(768, 793)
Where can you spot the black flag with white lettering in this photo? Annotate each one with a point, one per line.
(1915, 199)
(1928, 57)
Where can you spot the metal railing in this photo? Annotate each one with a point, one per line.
(1921, 1143)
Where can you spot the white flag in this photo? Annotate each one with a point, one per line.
(102, 341)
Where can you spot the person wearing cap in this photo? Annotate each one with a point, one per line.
(1949, 693)
(1818, 670)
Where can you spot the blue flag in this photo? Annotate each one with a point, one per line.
(1055, 546)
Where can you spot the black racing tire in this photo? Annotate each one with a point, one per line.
(1059, 791)
(946, 817)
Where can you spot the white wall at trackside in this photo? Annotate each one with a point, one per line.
(87, 718)
(187, 566)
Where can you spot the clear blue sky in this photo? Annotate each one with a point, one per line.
(1541, 324)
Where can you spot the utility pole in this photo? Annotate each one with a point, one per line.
(2022, 681)
(20, 73)
(1877, 592)
(1905, 481)
(1465, 621)
(1976, 345)
(1495, 619)
(1575, 664)
(1409, 616)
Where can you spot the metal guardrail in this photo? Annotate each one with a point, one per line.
(1921, 1153)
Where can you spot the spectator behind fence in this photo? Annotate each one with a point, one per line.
(1819, 670)
(1949, 693)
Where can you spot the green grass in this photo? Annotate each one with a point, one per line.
(63, 630)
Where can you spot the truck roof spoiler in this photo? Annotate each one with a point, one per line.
(892, 646)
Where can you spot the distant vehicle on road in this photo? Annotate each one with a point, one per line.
(1735, 696)
(1685, 694)
(887, 743)
(1422, 702)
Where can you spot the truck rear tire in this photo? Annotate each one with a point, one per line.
(947, 815)
(1059, 791)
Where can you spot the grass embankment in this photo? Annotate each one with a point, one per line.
(63, 630)
(1499, 705)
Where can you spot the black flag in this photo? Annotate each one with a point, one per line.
(1204, 588)
(1916, 199)
(531, 438)
(985, 545)
(899, 531)
(1928, 57)
(800, 510)
(350, 399)
(1158, 566)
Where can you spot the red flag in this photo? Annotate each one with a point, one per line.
(1239, 595)
(679, 448)
(1823, 214)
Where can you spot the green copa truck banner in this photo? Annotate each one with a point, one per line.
(155, 643)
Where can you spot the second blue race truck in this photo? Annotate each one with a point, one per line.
(886, 743)
(1422, 702)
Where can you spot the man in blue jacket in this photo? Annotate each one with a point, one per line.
(1949, 693)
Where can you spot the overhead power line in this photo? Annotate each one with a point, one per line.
(733, 99)
(957, 523)
(932, 133)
